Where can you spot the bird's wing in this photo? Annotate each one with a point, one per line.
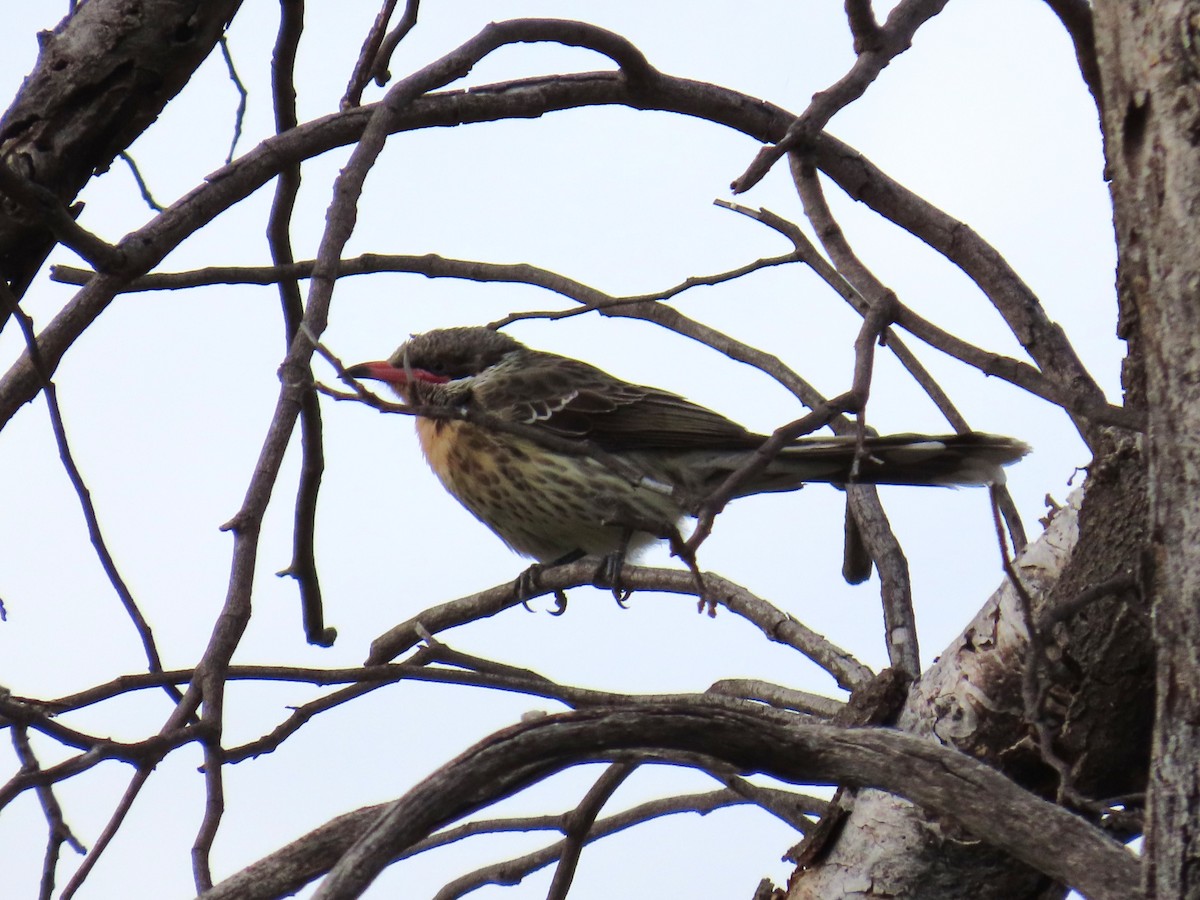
(572, 399)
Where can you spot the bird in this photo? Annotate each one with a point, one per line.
(562, 460)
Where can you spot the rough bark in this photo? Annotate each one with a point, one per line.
(102, 77)
(1150, 64)
(1098, 682)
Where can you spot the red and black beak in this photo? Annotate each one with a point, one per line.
(380, 371)
(398, 377)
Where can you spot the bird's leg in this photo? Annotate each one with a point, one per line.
(529, 581)
(680, 549)
(666, 531)
(609, 571)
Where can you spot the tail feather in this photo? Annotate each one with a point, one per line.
(954, 459)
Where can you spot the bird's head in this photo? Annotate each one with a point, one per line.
(447, 356)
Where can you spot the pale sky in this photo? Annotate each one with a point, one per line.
(168, 396)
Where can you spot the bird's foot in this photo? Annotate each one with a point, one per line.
(529, 583)
(526, 585)
(608, 573)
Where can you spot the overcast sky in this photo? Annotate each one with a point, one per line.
(168, 396)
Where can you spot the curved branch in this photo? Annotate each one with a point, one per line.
(295, 371)
(308, 857)
(578, 826)
(1042, 339)
(9, 305)
(530, 98)
(884, 44)
(987, 803)
(1076, 17)
(776, 624)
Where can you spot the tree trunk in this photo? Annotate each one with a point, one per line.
(1097, 705)
(102, 77)
(1150, 64)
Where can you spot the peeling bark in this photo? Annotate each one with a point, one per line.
(1149, 56)
(1097, 711)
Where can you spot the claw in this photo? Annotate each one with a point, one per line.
(560, 603)
(528, 583)
(609, 570)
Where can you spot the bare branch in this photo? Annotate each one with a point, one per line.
(887, 43)
(377, 50)
(981, 799)
(365, 63)
(774, 623)
(1074, 389)
(308, 857)
(239, 116)
(43, 205)
(107, 562)
(863, 25)
(578, 825)
(899, 620)
(1076, 17)
(408, 21)
(59, 831)
(525, 99)
(777, 695)
(303, 567)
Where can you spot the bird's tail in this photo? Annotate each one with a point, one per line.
(947, 459)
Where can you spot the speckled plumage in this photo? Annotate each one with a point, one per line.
(547, 504)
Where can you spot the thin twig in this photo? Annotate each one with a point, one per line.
(140, 777)
(857, 300)
(59, 832)
(239, 117)
(1033, 686)
(143, 187)
(856, 273)
(361, 74)
(1071, 386)
(303, 566)
(45, 205)
(578, 825)
(887, 43)
(408, 20)
(107, 562)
